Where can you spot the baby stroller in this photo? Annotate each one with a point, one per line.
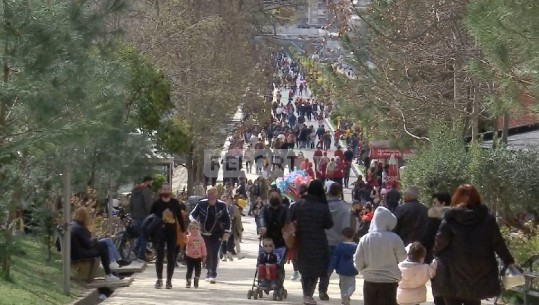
(279, 292)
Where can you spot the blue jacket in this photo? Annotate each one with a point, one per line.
(222, 223)
(342, 260)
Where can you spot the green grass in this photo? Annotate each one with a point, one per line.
(34, 280)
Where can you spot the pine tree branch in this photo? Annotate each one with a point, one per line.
(407, 39)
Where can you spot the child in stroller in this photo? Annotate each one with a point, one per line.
(267, 266)
(270, 272)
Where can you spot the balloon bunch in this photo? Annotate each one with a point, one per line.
(289, 185)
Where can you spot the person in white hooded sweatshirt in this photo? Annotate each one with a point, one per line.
(377, 258)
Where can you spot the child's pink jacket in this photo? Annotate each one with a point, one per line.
(195, 246)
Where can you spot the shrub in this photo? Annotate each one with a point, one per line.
(507, 179)
(440, 165)
(157, 182)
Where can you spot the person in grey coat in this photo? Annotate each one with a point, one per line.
(412, 217)
(340, 214)
(140, 205)
(312, 217)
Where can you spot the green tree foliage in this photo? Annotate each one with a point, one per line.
(507, 32)
(63, 100)
(157, 182)
(149, 106)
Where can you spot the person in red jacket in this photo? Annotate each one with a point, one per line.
(304, 165)
(309, 170)
(337, 138)
(339, 153)
(338, 173)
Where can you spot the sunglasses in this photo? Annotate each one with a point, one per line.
(268, 246)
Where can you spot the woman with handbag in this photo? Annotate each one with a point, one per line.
(312, 217)
(466, 245)
(169, 210)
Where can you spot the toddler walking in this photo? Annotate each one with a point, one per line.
(267, 266)
(342, 261)
(377, 258)
(195, 254)
(415, 274)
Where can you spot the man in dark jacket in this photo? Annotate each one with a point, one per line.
(215, 226)
(392, 198)
(411, 217)
(140, 206)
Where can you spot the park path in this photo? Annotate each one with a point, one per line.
(234, 277)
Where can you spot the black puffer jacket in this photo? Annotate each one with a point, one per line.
(465, 246)
(274, 219)
(312, 219)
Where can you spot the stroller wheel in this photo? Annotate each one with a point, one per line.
(249, 294)
(260, 293)
(285, 293)
(275, 295)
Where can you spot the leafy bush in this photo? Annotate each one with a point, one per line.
(507, 179)
(157, 182)
(522, 246)
(441, 165)
(334, 117)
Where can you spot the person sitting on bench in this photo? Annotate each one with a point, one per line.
(83, 246)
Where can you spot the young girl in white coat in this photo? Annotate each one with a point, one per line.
(415, 274)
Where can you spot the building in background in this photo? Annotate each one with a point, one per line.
(317, 13)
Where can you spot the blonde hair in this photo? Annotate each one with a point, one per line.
(82, 216)
(193, 224)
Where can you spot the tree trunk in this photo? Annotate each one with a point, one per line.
(505, 128)
(495, 133)
(475, 113)
(8, 233)
(6, 257)
(189, 165)
(199, 168)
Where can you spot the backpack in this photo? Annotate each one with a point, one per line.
(150, 226)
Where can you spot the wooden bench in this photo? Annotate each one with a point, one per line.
(134, 267)
(530, 290)
(84, 270)
(101, 283)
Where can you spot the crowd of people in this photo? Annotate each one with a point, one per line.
(394, 241)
